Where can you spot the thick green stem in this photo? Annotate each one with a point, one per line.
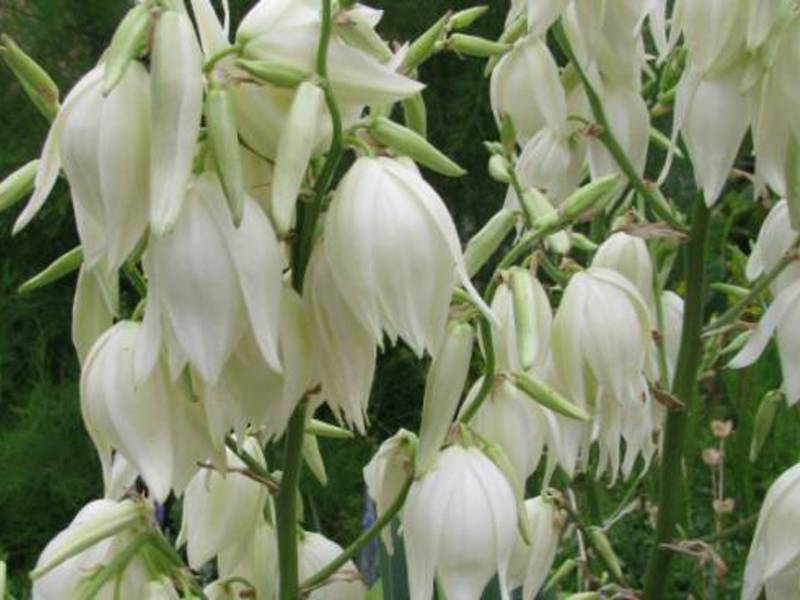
(286, 506)
(319, 578)
(671, 489)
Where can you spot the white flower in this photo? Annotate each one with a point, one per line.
(219, 511)
(628, 255)
(526, 86)
(551, 162)
(344, 350)
(773, 564)
(64, 580)
(102, 144)
(531, 564)
(387, 472)
(254, 559)
(209, 282)
(316, 551)
(153, 423)
(459, 525)
(394, 252)
(672, 305)
(523, 428)
(93, 309)
(775, 238)
(714, 32)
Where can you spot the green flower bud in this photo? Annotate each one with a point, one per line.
(60, 267)
(356, 32)
(593, 196)
(128, 41)
(313, 458)
(326, 430)
(18, 185)
(581, 242)
(602, 546)
(765, 417)
(477, 46)
(538, 208)
(225, 144)
(443, 388)
(464, 18)
(486, 242)
(736, 292)
(423, 47)
(562, 572)
(275, 72)
(662, 141)
(415, 114)
(113, 520)
(737, 343)
(584, 596)
(527, 330)
(406, 142)
(542, 393)
(38, 85)
(499, 168)
(498, 456)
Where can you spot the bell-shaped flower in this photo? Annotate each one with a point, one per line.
(775, 238)
(103, 529)
(177, 96)
(530, 564)
(521, 427)
(459, 526)
(783, 319)
(315, 552)
(773, 564)
(254, 559)
(628, 255)
(249, 392)
(288, 31)
(526, 86)
(550, 162)
(153, 423)
(394, 252)
(714, 32)
(344, 350)
(209, 282)
(542, 14)
(220, 510)
(102, 144)
(387, 472)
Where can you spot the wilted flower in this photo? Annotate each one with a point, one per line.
(153, 423)
(220, 510)
(315, 552)
(530, 564)
(773, 564)
(459, 525)
(394, 252)
(209, 282)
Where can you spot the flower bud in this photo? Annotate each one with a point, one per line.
(564, 570)
(443, 389)
(415, 114)
(313, 458)
(486, 242)
(499, 168)
(765, 417)
(326, 430)
(406, 142)
(18, 185)
(527, 295)
(224, 138)
(275, 72)
(513, 31)
(542, 393)
(108, 520)
(354, 28)
(177, 107)
(628, 255)
(602, 545)
(423, 47)
(478, 47)
(295, 148)
(539, 208)
(60, 267)
(38, 85)
(593, 196)
(464, 18)
(581, 242)
(128, 41)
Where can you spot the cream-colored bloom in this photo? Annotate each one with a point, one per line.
(316, 551)
(530, 564)
(628, 255)
(459, 525)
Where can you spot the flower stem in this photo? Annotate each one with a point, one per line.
(319, 578)
(671, 485)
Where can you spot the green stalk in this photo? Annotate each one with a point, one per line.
(337, 563)
(671, 502)
(286, 516)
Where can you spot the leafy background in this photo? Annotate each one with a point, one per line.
(48, 468)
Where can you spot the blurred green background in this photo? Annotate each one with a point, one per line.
(48, 468)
